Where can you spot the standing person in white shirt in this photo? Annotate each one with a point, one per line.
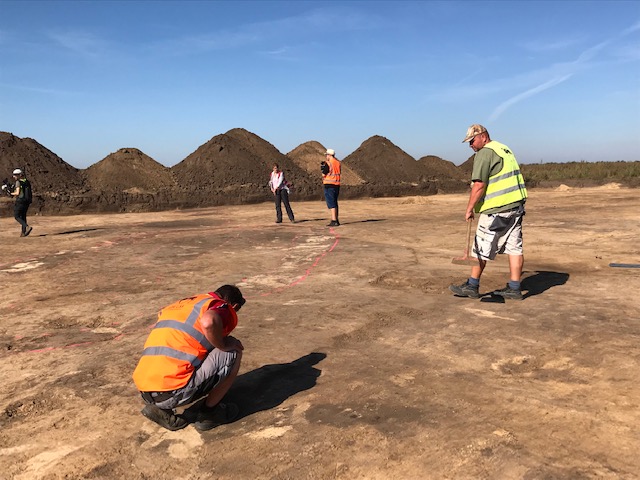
(280, 189)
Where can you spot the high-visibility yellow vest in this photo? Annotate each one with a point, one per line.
(177, 344)
(506, 186)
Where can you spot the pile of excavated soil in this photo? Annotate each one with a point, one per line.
(129, 169)
(380, 162)
(231, 168)
(435, 168)
(54, 181)
(467, 166)
(234, 168)
(309, 155)
(42, 166)
(389, 171)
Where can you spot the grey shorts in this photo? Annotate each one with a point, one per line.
(499, 233)
(215, 368)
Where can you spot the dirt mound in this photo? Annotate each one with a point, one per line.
(53, 180)
(235, 167)
(380, 162)
(309, 155)
(46, 171)
(131, 170)
(467, 166)
(433, 167)
(447, 177)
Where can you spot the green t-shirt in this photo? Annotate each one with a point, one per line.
(485, 163)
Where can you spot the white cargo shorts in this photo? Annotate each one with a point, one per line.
(499, 233)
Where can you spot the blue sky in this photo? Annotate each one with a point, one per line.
(554, 80)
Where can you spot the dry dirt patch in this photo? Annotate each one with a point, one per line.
(358, 361)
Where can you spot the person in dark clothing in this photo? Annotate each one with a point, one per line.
(23, 194)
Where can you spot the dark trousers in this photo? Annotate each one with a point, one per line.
(282, 196)
(20, 214)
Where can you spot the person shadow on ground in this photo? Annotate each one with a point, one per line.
(535, 284)
(542, 281)
(270, 385)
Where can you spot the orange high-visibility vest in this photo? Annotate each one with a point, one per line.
(177, 344)
(333, 177)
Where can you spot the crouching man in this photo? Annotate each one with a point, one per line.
(188, 355)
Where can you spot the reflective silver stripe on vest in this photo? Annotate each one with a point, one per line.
(503, 176)
(502, 192)
(173, 353)
(185, 327)
(193, 316)
(188, 329)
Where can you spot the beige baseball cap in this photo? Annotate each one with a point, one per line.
(475, 129)
(330, 151)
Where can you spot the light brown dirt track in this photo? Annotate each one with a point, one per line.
(358, 362)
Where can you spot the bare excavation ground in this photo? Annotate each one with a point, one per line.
(358, 364)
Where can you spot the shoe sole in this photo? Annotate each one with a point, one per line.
(508, 297)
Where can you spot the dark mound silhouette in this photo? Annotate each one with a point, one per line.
(467, 166)
(434, 168)
(129, 170)
(128, 181)
(389, 171)
(447, 177)
(381, 162)
(309, 155)
(53, 180)
(43, 167)
(234, 168)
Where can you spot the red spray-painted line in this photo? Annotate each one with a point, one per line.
(299, 280)
(308, 270)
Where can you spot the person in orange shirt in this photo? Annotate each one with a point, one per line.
(190, 354)
(331, 181)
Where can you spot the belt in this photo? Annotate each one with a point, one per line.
(156, 397)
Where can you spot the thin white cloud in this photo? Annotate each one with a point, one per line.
(544, 46)
(279, 51)
(83, 43)
(583, 62)
(629, 53)
(258, 33)
(529, 93)
(46, 91)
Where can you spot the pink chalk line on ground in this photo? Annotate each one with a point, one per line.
(120, 335)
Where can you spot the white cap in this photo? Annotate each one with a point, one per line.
(331, 152)
(17, 171)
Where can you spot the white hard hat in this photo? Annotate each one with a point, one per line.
(17, 171)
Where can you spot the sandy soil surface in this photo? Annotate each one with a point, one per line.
(358, 363)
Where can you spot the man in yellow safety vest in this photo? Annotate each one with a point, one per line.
(498, 194)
